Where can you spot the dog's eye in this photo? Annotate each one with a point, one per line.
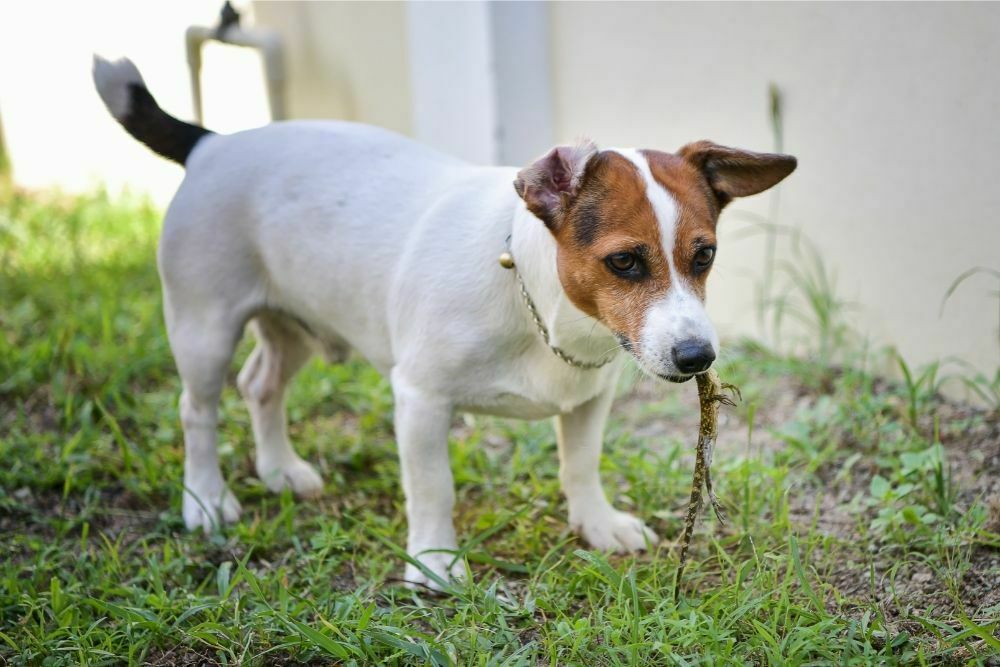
(622, 262)
(703, 258)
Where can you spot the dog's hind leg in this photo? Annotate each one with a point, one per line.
(202, 345)
(281, 351)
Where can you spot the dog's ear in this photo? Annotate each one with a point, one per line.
(549, 185)
(732, 172)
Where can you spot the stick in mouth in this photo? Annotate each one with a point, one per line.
(710, 395)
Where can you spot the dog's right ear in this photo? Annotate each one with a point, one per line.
(549, 185)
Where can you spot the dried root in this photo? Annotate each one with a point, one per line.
(710, 395)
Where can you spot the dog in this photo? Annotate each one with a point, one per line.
(324, 237)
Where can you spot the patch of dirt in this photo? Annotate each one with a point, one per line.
(862, 569)
(181, 655)
(184, 655)
(122, 515)
(37, 412)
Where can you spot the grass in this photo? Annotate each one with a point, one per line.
(863, 529)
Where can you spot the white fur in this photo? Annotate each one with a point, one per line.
(680, 315)
(327, 236)
(112, 80)
(331, 235)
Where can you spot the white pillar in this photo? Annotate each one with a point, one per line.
(523, 89)
(480, 79)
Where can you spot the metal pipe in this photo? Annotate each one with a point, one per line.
(266, 41)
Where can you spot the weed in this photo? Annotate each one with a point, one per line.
(984, 387)
(979, 383)
(921, 389)
(965, 275)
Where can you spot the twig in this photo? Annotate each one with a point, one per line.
(710, 395)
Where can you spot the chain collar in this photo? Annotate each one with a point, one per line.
(507, 262)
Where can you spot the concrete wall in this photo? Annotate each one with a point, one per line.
(346, 60)
(891, 109)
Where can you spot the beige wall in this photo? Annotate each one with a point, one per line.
(347, 59)
(892, 110)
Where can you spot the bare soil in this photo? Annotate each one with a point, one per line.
(859, 567)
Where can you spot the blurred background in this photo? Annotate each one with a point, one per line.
(891, 109)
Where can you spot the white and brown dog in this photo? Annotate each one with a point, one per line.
(327, 236)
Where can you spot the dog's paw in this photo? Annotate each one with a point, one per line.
(438, 562)
(610, 530)
(210, 510)
(295, 474)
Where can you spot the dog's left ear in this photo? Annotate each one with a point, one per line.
(732, 172)
(550, 184)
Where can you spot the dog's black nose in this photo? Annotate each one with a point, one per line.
(693, 356)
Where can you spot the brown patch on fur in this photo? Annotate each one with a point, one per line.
(548, 185)
(698, 212)
(612, 214)
(734, 172)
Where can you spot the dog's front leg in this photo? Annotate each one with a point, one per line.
(422, 422)
(579, 435)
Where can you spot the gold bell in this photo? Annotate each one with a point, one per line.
(507, 260)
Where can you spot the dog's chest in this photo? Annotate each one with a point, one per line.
(534, 386)
(508, 404)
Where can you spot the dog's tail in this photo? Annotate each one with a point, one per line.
(129, 101)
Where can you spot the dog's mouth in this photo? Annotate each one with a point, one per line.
(626, 344)
(676, 379)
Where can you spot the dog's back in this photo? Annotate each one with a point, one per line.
(261, 211)
(299, 199)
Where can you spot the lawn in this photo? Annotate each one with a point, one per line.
(864, 513)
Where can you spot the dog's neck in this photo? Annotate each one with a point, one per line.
(534, 250)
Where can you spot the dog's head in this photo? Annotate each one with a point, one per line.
(635, 231)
